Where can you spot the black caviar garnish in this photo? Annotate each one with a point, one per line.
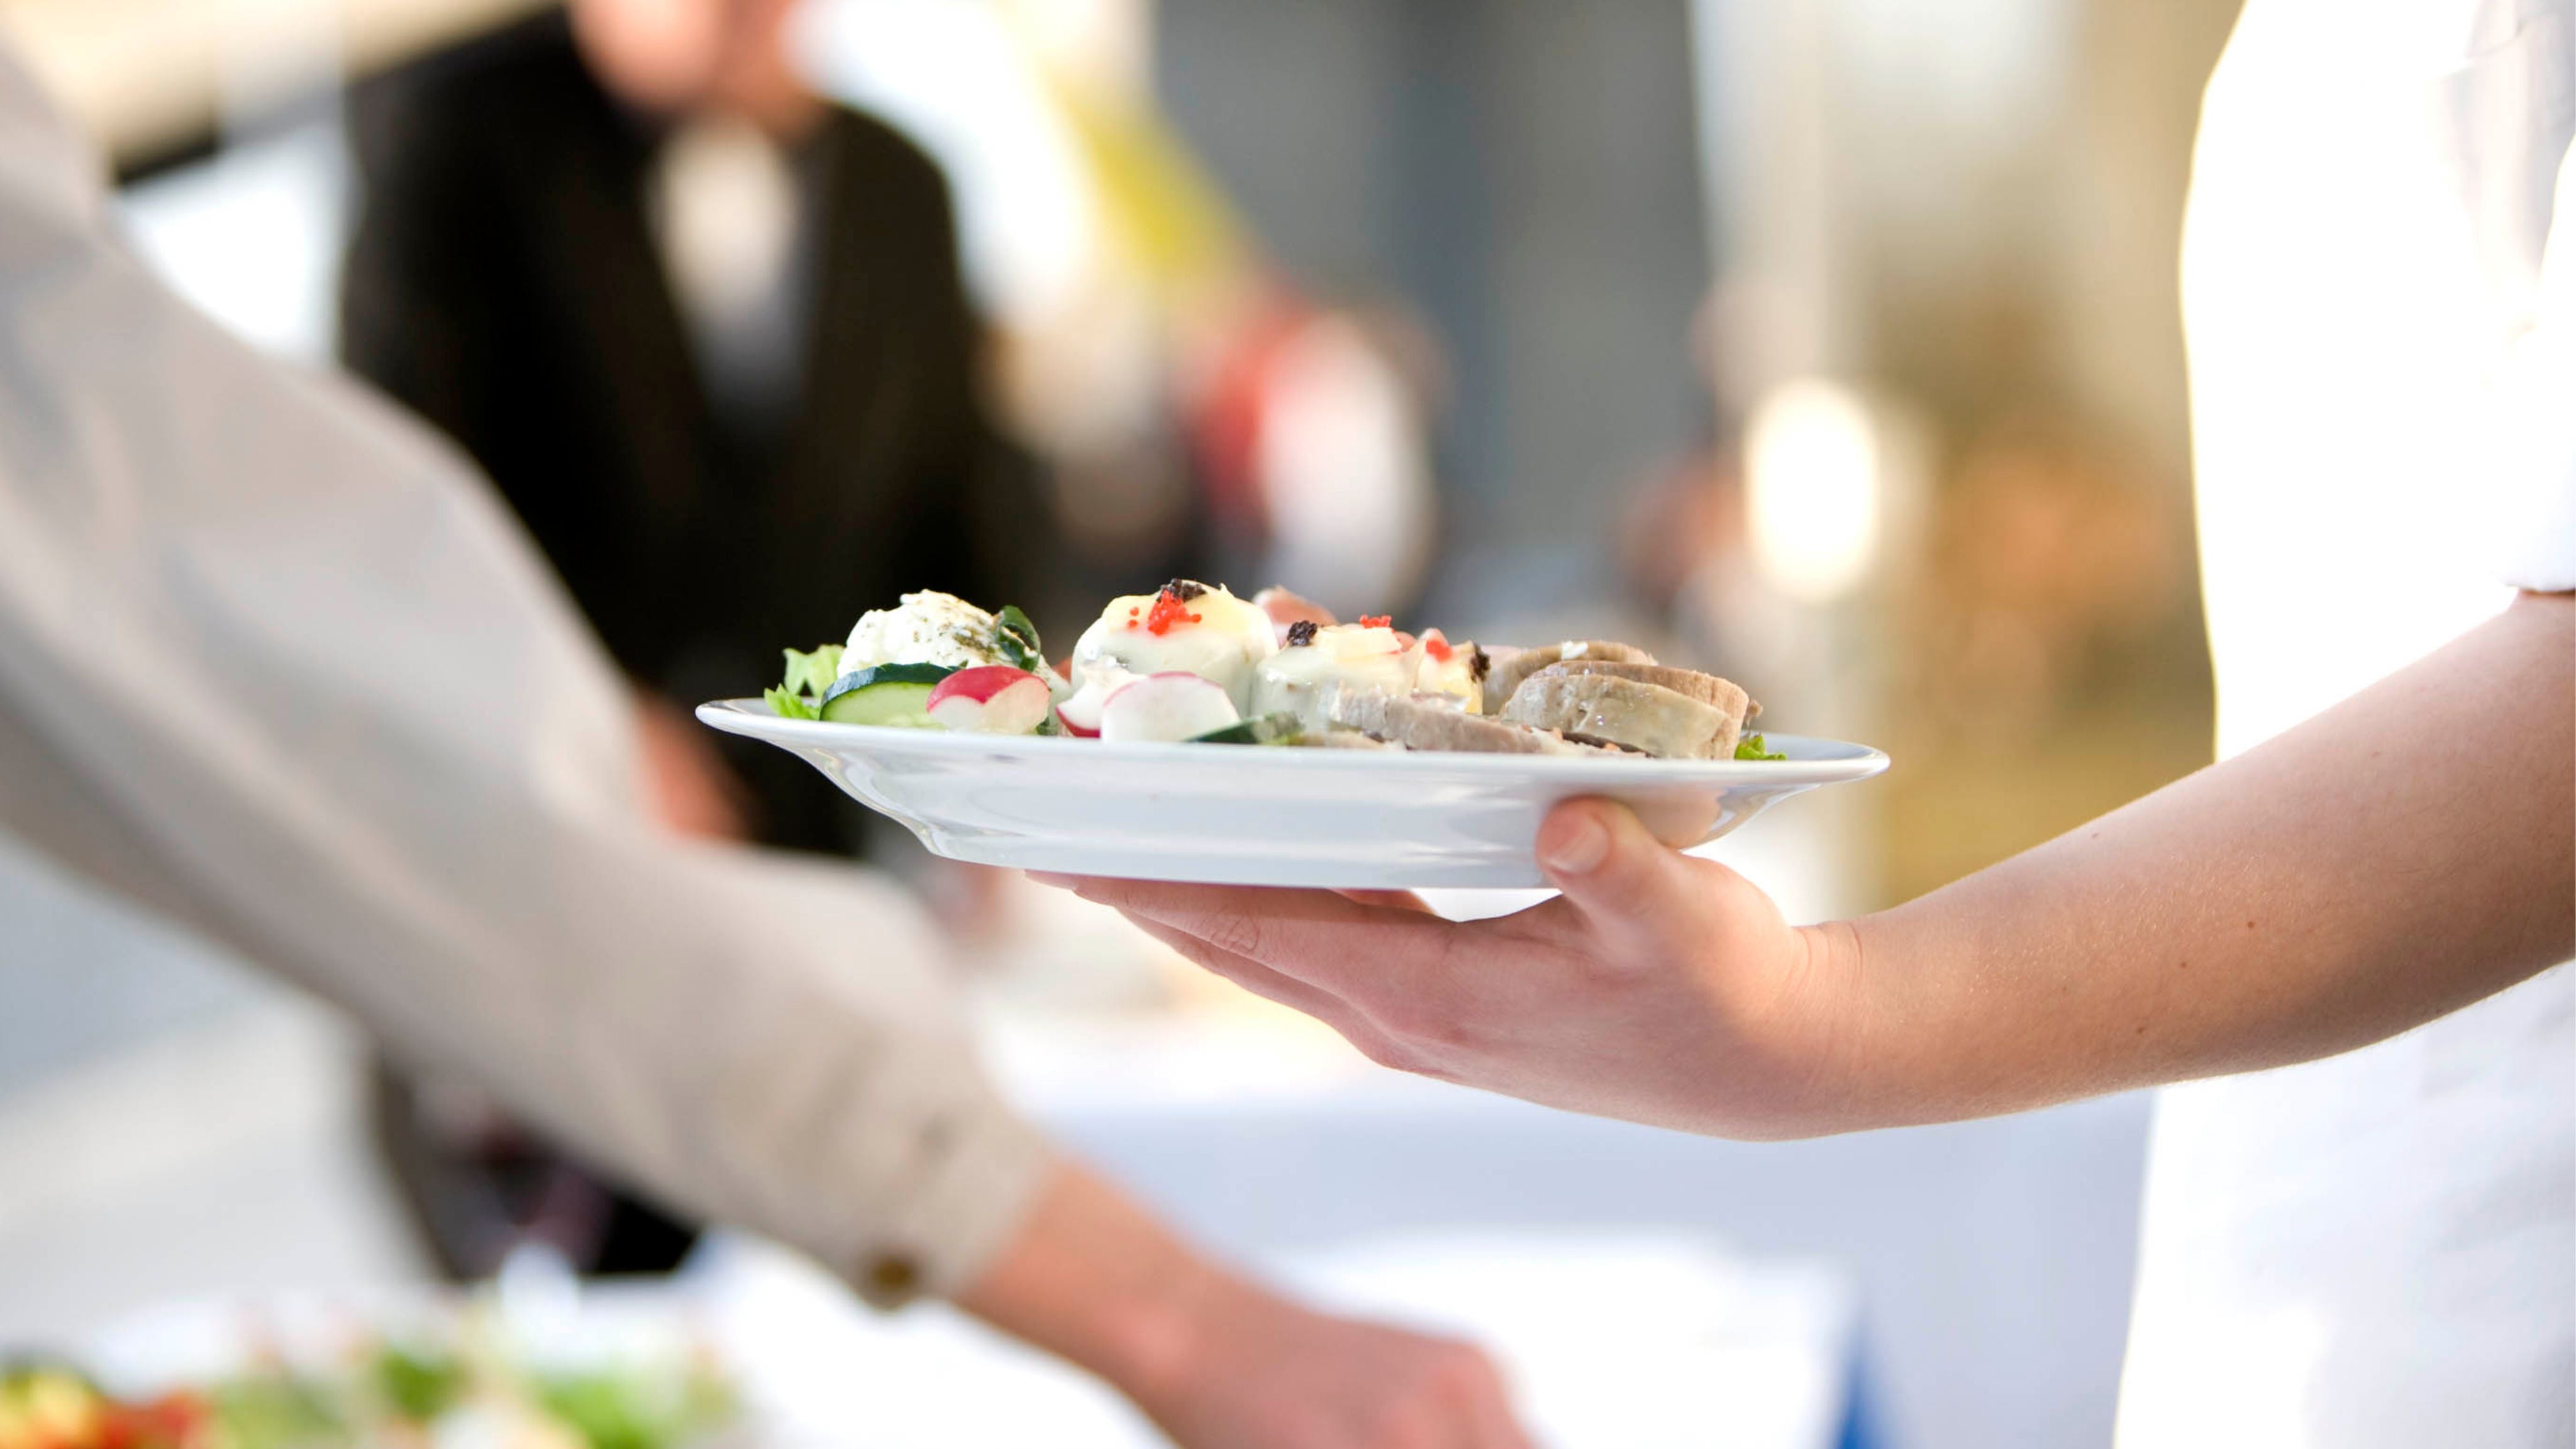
(1479, 663)
(1301, 633)
(1184, 590)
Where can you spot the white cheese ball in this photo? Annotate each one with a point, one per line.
(930, 628)
(1218, 637)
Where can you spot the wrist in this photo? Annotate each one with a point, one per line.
(1843, 1046)
(1095, 1280)
(1159, 1339)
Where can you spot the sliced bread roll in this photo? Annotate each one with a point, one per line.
(1667, 713)
(1718, 694)
(1436, 723)
(1509, 669)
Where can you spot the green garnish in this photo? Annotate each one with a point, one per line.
(610, 1409)
(1751, 747)
(273, 1409)
(809, 679)
(1017, 639)
(420, 1385)
(1266, 729)
(812, 674)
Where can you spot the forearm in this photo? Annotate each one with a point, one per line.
(2392, 860)
(1092, 1278)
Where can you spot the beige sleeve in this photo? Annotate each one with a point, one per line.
(279, 654)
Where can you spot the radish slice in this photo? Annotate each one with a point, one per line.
(1079, 711)
(1167, 708)
(991, 699)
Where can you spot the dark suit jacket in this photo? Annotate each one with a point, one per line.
(504, 284)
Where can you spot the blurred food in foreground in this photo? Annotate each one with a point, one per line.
(463, 1388)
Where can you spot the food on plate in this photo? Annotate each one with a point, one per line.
(1280, 729)
(941, 629)
(1416, 722)
(1287, 610)
(895, 659)
(1191, 663)
(1166, 708)
(991, 699)
(1320, 661)
(885, 694)
(1672, 714)
(1456, 670)
(1511, 668)
(454, 1390)
(1185, 627)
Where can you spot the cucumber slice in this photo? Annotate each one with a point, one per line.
(887, 674)
(893, 695)
(1266, 729)
(891, 703)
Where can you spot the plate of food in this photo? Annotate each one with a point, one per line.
(1193, 735)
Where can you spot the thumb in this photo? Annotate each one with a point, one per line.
(1613, 869)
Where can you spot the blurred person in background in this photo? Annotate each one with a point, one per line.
(274, 666)
(2346, 943)
(706, 332)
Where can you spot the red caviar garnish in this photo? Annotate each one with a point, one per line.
(1168, 610)
(1437, 645)
(1377, 621)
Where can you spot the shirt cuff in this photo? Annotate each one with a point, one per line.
(976, 1173)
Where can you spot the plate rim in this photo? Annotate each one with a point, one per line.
(752, 719)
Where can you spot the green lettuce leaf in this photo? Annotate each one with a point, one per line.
(812, 674)
(1751, 747)
(1017, 639)
(790, 706)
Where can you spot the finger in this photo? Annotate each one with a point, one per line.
(1497, 1426)
(1360, 953)
(1391, 900)
(1616, 874)
(1263, 982)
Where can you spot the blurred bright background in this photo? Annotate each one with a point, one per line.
(1829, 344)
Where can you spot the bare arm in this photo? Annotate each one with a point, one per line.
(1214, 1358)
(2398, 857)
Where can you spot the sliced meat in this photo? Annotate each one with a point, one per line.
(1510, 668)
(1285, 609)
(1341, 739)
(1648, 718)
(1724, 695)
(1434, 723)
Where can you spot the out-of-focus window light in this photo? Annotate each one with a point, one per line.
(1815, 484)
(253, 237)
(966, 85)
(1343, 468)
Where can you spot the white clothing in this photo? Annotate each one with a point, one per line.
(2378, 1249)
(275, 662)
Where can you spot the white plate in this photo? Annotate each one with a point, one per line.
(1244, 815)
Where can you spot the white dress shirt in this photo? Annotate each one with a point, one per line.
(274, 662)
(2380, 289)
